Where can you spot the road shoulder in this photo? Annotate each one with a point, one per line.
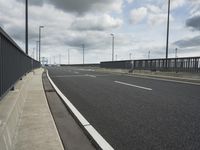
(72, 136)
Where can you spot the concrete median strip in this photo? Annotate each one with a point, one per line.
(136, 86)
(91, 131)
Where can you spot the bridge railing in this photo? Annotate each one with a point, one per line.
(184, 64)
(14, 63)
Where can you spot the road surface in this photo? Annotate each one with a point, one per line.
(134, 113)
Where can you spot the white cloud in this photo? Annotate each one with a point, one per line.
(177, 3)
(157, 19)
(99, 23)
(130, 1)
(70, 23)
(137, 15)
(82, 6)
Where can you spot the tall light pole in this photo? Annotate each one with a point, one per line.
(26, 24)
(68, 57)
(176, 52)
(130, 55)
(149, 53)
(54, 60)
(83, 46)
(167, 42)
(59, 59)
(33, 53)
(50, 60)
(40, 27)
(113, 40)
(37, 45)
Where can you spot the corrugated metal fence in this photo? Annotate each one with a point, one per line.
(186, 64)
(14, 63)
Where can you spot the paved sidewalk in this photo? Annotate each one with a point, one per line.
(37, 130)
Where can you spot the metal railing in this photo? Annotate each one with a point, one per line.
(184, 64)
(14, 63)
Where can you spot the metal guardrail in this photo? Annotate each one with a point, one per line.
(184, 64)
(14, 63)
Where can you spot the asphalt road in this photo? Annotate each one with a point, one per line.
(134, 113)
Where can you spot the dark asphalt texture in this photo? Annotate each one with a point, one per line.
(129, 118)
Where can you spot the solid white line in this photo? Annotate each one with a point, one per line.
(69, 104)
(162, 79)
(65, 76)
(103, 144)
(141, 87)
(93, 76)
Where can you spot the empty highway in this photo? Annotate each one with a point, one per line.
(134, 113)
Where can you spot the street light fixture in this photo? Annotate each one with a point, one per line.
(40, 27)
(113, 40)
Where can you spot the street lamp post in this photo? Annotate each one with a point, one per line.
(33, 53)
(167, 42)
(176, 51)
(130, 55)
(149, 53)
(59, 59)
(40, 27)
(37, 45)
(113, 40)
(83, 53)
(26, 24)
(68, 57)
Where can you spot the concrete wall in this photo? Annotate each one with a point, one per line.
(11, 107)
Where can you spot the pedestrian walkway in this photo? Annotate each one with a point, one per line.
(36, 130)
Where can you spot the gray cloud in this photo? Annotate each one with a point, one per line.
(186, 43)
(96, 23)
(193, 22)
(33, 2)
(81, 6)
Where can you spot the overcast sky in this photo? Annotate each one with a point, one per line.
(139, 26)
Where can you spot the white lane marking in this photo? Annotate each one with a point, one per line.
(93, 76)
(76, 72)
(103, 144)
(132, 85)
(167, 80)
(69, 104)
(91, 70)
(65, 76)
